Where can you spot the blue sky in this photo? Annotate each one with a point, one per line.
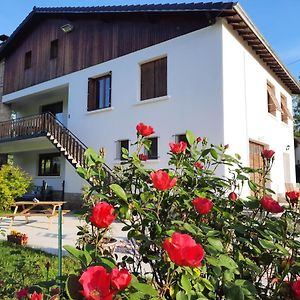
(277, 20)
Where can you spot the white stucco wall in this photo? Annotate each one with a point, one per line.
(246, 114)
(216, 88)
(193, 101)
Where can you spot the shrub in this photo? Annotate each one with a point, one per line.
(14, 183)
(193, 235)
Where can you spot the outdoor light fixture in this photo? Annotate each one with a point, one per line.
(67, 28)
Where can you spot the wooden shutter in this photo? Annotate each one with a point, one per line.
(92, 101)
(161, 77)
(272, 97)
(147, 80)
(285, 110)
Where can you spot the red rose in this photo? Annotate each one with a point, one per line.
(232, 196)
(96, 284)
(144, 130)
(162, 181)
(143, 157)
(267, 153)
(178, 147)
(36, 296)
(198, 165)
(271, 205)
(202, 205)
(22, 294)
(296, 289)
(293, 195)
(120, 279)
(102, 215)
(183, 250)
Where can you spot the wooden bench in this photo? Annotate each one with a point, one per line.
(28, 210)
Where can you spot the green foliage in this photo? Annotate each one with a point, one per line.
(24, 267)
(13, 183)
(249, 253)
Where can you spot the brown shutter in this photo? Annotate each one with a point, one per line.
(161, 77)
(273, 97)
(91, 102)
(147, 81)
(285, 109)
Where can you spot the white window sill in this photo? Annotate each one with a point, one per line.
(101, 110)
(153, 100)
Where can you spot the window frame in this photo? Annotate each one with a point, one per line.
(119, 148)
(94, 101)
(154, 78)
(42, 168)
(54, 49)
(181, 138)
(28, 60)
(148, 152)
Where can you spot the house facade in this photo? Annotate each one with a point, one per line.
(78, 77)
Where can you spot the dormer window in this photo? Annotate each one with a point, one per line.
(54, 49)
(27, 63)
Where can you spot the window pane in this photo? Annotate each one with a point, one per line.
(49, 164)
(122, 144)
(152, 153)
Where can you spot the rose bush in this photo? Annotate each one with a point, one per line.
(193, 234)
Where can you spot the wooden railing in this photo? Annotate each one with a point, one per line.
(47, 125)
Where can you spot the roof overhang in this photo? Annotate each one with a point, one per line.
(241, 23)
(231, 11)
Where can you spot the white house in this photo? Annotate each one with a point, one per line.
(101, 70)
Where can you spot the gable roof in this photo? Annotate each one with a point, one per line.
(231, 11)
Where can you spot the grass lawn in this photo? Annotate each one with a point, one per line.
(24, 267)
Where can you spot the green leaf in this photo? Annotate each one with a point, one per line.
(234, 292)
(227, 262)
(252, 186)
(216, 243)
(189, 228)
(181, 296)
(214, 153)
(266, 244)
(78, 254)
(190, 137)
(144, 288)
(207, 284)
(185, 283)
(119, 191)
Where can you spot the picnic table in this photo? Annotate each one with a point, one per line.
(38, 208)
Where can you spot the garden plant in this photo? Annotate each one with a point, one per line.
(193, 235)
(14, 183)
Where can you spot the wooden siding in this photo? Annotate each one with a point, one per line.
(95, 39)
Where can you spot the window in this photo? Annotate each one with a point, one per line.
(54, 49)
(99, 92)
(273, 104)
(120, 145)
(181, 138)
(154, 79)
(27, 64)
(285, 113)
(49, 164)
(152, 153)
(255, 160)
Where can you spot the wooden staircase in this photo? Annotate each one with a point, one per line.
(47, 125)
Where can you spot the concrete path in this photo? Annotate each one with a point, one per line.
(45, 237)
